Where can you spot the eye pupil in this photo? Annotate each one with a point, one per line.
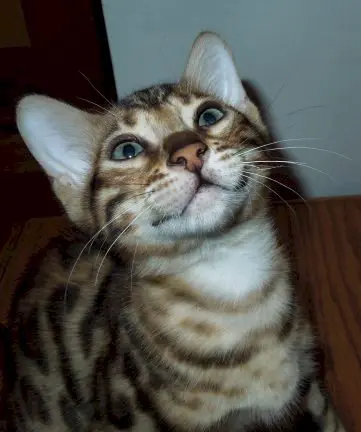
(126, 150)
(209, 117)
(129, 151)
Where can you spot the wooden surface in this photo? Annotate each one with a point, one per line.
(324, 242)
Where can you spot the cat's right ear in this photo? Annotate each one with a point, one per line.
(63, 140)
(60, 137)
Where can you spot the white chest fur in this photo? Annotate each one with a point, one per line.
(237, 265)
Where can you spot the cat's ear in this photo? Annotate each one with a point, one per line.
(211, 70)
(60, 137)
(63, 140)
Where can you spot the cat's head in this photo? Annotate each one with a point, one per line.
(169, 162)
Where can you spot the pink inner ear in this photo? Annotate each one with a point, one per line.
(211, 70)
(58, 135)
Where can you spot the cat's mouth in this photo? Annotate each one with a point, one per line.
(203, 187)
(203, 183)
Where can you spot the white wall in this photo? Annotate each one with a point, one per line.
(303, 54)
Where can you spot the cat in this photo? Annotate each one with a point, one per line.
(168, 304)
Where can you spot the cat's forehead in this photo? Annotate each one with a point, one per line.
(157, 111)
(156, 96)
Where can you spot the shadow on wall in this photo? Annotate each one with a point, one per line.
(284, 183)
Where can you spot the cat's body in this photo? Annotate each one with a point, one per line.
(178, 314)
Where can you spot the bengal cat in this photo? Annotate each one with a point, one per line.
(169, 305)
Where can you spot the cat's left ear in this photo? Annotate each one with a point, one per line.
(211, 70)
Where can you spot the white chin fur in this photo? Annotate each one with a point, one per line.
(210, 210)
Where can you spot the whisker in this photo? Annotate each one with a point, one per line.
(300, 164)
(291, 113)
(273, 191)
(106, 236)
(77, 260)
(90, 243)
(269, 168)
(249, 197)
(117, 239)
(132, 266)
(99, 92)
(275, 97)
(310, 148)
(242, 153)
(249, 190)
(81, 253)
(285, 186)
(279, 91)
(99, 106)
(119, 215)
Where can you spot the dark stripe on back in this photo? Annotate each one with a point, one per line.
(70, 414)
(30, 341)
(119, 407)
(131, 370)
(69, 247)
(15, 420)
(34, 402)
(143, 397)
(95, 317)
(121, 413)
(57, 310)
(99, 388)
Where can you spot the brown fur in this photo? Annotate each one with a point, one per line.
(105, 339)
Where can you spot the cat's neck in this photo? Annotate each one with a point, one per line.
(228, 267)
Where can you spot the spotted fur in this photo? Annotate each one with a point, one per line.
(168, 305)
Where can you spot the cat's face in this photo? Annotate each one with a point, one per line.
(169, 162)
(177, 161)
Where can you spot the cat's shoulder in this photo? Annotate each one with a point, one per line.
(68, 259)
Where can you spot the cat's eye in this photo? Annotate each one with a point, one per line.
(126, 150)
(209, 117)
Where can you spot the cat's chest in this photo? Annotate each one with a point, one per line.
(229, 273)
(216, 303)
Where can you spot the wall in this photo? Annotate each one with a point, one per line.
(13, 31)
(303, 56)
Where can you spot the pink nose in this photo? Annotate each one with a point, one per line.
(190, 156)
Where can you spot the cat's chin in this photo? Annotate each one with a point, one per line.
(211, 209)
(205, 201)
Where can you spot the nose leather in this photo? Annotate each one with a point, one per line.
(186, 149)
(190, 156)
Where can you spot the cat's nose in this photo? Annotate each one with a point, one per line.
(190, 156)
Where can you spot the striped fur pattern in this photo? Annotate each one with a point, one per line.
(178, 314)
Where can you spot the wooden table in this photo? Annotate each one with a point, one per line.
(324, 241)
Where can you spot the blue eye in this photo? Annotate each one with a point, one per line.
(126, 150)
(209, 117)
